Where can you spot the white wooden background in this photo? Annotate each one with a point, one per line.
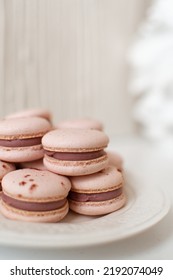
(68, 56)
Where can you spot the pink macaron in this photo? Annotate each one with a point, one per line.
(83, 123)
(34, 112)
(34, 196)
(20, 139)
(74, 152)
(36, 164)
(97, 194)
(115, 159)
(5, 167)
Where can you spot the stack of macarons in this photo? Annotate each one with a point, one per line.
(58, 167)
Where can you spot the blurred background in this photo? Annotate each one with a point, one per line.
(70, 56)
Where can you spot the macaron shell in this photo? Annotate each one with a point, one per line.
(23, 128)
(98, 208)
(75, 168)
(39, 217)
(83, 123)
(21, 154)
(6, 167)
(115, 159)
(35, 112)
(105, 180)
(74, 140)
(36, 164)
(35, 185)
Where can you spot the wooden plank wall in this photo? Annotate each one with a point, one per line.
(68, 56)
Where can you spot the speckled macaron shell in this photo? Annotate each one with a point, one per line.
(33, 112)
(107, 180)
(82, 123)
(5, 168)
(19, 130)
(75, 141)
(35, 186)
(115, 159)
(36, 164)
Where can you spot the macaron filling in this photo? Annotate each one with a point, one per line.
(76, 156)
(86, 197)
(15, 143)
(33, 206)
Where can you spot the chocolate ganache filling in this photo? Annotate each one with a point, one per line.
(85, 197)
(15, 143)
(33, 206)
(76, 156)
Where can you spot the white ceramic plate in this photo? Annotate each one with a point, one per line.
(145, 207)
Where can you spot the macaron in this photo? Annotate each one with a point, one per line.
(20, 139)
(97, 194)
(34, 196)
(5, 168)
(34, 112)
(75, 152)
(36, 164)
(83, 123)
(115, 159)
